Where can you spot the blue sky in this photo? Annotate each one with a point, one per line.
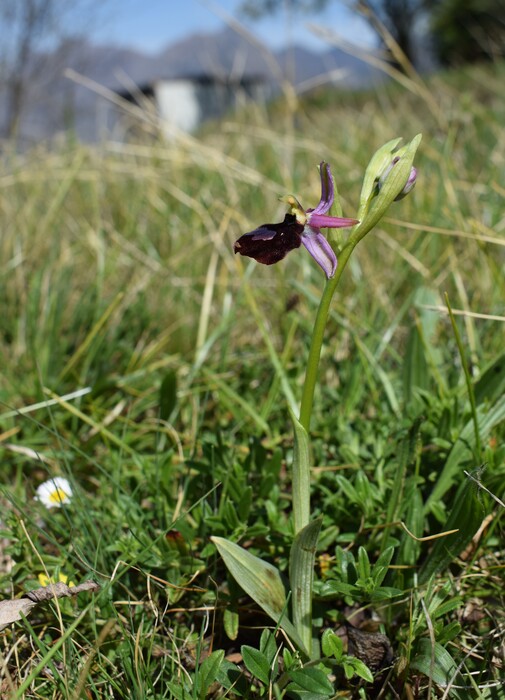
(150, 25)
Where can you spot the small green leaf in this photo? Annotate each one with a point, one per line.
(335, 589)
(230, 517)
(347, 488)
(231, 623)
(348, 667)
(346, 565)
(314, 680)
(244, 504)
(386, 593)
(178, 691)
(268, 645)
(446, 607)
(288, 658)
(364, 570)
(256, 663)
(332, 645)
(362, 670)
(232, 678)
(381, 566)
(449, 632)
(364, 490)
(207, 673)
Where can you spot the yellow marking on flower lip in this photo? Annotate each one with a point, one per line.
(295, 208)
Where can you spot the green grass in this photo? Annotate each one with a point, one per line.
(117, 274)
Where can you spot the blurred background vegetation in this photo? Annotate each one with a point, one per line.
(118, 278)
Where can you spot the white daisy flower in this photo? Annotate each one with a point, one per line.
(54, 493)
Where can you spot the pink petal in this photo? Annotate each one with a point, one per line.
(323, 221)
(327, 189)
(321, 251)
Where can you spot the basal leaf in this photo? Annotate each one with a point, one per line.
(435, 662)
(261, 581)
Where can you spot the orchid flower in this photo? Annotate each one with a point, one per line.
(272, 242)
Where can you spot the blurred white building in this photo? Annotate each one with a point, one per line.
(185, 103)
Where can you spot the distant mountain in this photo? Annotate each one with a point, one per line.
(54, 102)
(226, 53)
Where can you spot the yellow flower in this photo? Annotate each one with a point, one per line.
(48, 580)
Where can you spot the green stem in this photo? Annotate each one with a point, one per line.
(304, 546)
(316, 344)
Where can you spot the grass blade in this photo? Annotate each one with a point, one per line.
(461, 452)
(466, 516)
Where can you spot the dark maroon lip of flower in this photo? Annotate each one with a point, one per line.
(271, 242)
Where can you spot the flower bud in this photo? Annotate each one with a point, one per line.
(385, 173)
(390, 175)
(409, 185)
